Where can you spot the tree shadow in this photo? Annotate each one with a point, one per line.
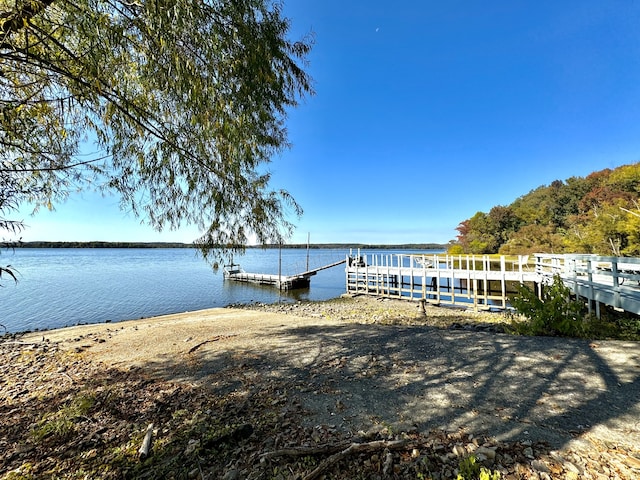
(320, 384)
(358, 377)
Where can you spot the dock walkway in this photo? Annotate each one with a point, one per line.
(613, 281)
(486, 282)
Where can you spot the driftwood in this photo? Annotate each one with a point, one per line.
(341, 453)
(388, 463)
(355, 448)
(143, 452)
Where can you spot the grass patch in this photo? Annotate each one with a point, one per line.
(62, 423)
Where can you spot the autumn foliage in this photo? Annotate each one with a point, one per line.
(598, 214)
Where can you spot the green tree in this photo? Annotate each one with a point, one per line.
(504, 223)
(626, 178)
(607, 229)
(183, 103)
(533, 207)
(594, 214)
(533, 239)
(632, 228)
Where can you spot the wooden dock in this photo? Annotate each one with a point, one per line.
(486, 282)
(234, 273)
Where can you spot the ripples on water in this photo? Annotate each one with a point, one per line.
(61, 287)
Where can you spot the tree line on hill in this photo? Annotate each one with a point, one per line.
(598, 214)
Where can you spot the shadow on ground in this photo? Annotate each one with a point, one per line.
(361, 377)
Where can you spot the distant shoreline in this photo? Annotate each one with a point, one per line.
(100, 244)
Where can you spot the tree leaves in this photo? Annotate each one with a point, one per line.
(586, 215)
(185, 103)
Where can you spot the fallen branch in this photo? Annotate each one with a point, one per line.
(388, 463)
(301, 452)
(355, 448)
(143, 452)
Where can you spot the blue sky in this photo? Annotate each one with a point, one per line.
(429, 111)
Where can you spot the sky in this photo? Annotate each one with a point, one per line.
(427, 112)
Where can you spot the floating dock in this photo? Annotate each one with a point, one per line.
(234, 272)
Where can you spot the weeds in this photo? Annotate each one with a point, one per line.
(62, 423)
(469, 469)
(557, 313)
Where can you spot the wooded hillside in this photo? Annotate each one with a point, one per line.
(598, 214)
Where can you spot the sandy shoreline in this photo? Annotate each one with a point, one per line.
(142, 341)
(359, 364)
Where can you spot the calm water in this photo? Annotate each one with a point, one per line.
(62, 287)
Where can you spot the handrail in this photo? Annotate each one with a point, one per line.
(614, 281)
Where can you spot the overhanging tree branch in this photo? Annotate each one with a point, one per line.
(54, 168)
(187, 98)
(15, 21)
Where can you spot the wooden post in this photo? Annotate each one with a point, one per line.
(411, 273)
(357, 274)
(438, 283)
(346, 272)
(379, 277)
(280, 267)
(468, 279)
(452, 287)
(485, 268)
(424, 277)
(475, 294)
(591, 292)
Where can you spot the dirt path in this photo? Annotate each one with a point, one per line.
(353, 373)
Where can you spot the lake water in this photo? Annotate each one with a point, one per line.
(62, 287)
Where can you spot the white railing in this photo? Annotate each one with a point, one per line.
(614, 281)
(484, 280)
